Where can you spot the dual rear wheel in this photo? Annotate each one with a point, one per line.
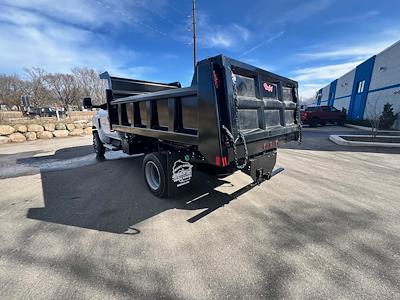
(155, 174)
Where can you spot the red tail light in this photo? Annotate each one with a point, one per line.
(217, 82)
(221, 161)
(304, 115)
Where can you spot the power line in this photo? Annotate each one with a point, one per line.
(155, 13)
(180, 12)
(127, 16)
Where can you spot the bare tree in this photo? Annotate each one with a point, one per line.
(12, 88)
(47, 89)
(39, 93)
(90, 84)
(373, 115)
(64, 88)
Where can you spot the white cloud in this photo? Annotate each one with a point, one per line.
(313, 78)
(75, 11)
(220, 40)
(308, 90)
(90, 13)
(30, 38)
(342, 52)
(325, 72)
(243, 32)
(231, 36)
(224, 37)
(353, 18)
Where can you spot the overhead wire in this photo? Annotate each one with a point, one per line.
(126, 15)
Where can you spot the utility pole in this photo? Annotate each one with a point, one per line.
(194, 33)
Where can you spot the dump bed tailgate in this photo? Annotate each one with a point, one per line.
(260, 105)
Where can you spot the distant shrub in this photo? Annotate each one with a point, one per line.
(388, 117)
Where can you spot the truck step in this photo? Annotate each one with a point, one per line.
(111, 147)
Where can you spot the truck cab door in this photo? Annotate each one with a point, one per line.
(103, 127)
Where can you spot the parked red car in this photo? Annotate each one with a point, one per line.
(321, 115)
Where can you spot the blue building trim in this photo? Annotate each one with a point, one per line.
(358, 100)
(342, 97)
(388, 87)
(385, 88)
(332, 93)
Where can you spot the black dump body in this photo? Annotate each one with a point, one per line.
(227, 98)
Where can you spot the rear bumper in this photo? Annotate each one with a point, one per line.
(257, 147)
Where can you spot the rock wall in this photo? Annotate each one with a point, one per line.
(20, 133)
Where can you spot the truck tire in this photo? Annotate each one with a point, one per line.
(155, 174)
(98, 146)
(340, 122)
(314, 122)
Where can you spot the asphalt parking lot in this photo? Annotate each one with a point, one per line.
(327, 227)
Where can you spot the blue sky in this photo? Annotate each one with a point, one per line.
(312, 41)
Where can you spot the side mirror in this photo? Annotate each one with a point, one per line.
(87, 103)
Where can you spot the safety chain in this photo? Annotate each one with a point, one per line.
(300, 138)
(240, 134)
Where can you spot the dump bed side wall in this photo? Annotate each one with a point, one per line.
(166, 115)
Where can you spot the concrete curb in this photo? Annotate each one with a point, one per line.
(358, 127)
(337, 139)
(368, 128)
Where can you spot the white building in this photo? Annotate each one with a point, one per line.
(364, 90)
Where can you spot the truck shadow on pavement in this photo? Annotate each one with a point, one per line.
(112, 196)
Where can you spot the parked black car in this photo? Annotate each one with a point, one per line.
(45, 112)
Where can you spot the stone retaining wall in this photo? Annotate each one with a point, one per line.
(20, 133)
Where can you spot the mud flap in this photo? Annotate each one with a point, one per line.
(261, 167)
(180, 172)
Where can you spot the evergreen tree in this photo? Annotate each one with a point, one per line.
(388, 116)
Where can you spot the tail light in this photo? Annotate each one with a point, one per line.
(304, 114)
(216, 80)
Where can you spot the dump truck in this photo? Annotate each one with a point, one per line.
(233, 117)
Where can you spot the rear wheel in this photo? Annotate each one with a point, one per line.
(340, 122)
(98, 146)
(314, 122)
(155, 174)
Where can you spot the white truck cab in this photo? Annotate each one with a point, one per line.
(101, 124)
